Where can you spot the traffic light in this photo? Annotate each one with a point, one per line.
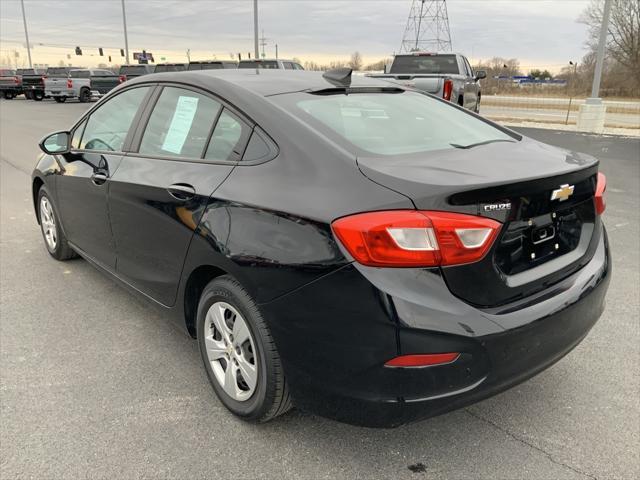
(122, 52)
(101, 52)
(78, 51)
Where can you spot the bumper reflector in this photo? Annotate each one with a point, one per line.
(422, 360)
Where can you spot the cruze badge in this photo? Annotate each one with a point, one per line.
(563, 193)
(494, 207)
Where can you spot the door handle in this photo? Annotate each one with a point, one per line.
(181, 191)
(98, 178)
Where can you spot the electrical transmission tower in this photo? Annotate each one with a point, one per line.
(427, 27)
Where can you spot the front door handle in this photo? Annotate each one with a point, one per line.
(98, 178)
(181, 191)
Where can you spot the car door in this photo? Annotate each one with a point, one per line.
(81, 189)
(159, 192)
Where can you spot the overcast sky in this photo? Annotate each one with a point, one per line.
(541, 33)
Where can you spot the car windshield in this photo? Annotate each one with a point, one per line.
(169, 68)
(425, 64)
(270, 64)
(393, 123)
(133, 70)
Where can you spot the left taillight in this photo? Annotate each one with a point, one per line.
(447, 89)
(601, 187)
(69, 83)
(413, 238)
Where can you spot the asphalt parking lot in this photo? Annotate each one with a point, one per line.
(94, 383)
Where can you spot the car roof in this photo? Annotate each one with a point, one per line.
(261, 82)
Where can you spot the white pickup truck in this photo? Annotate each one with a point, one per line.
(446, 75)
(83, 84)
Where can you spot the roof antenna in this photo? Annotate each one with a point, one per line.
(340, 77)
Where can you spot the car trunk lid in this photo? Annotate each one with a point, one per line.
(542, 240)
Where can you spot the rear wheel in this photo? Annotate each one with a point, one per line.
(54, 238)
(239, 354)
(28, 95)
(85, 95)
(60, 99)
(37, 95)
(7, 95)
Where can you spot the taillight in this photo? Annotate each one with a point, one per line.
(422, 360)
(122, 78)
(412, 238)
(447, 89)
(16, 80)
(69, 83)
(601, 187)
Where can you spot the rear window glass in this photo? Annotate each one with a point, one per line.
(26, 71)
(7, 73)
(57, 71)
(394, 123)
(169, 68)
(205, 66)
(133, 70)
(228, 139)
(269, 64)
(79, 73)
(425, 64)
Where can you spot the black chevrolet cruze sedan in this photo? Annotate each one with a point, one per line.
(364, 251)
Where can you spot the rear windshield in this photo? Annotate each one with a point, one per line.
(392, 123)
(425, 64)
(134, 69)
(26, 71)
(7, 73)
(170, 68)
(57, 70)
(79, 73)
(205, 66)
(270, 64)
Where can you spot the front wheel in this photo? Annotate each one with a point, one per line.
(54, 238)
(7, 95)
(37, 95)
(239, 354)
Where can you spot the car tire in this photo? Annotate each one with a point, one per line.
(37, 96)
(85, 95)
(225, 300)
(7, 95)
(60, 99)
(55, 240)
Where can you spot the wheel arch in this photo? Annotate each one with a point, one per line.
(197, 280)
(35, 189)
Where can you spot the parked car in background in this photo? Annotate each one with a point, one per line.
(10, 83)
(212, 65)
(170, 67)
(356, 248)
(83, 84)
(271, 64)
(33, 84)
(128, 72)
(446, 75)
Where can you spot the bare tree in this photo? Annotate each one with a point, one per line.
(623, 42)
(356, 61)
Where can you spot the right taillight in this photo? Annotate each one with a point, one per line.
(447, 89)
(412, 238)
(122, 78)
(601, 187)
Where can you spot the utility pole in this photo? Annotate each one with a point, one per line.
(602, 43)
(263, 43)
(256, 51)
(189, 55)
(26, 34)
(276, 51)
(427, 27)
(126, 40)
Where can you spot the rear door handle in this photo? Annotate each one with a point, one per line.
(98, 178)
(181, 191)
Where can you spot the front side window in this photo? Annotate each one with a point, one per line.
(228, 139)
(393, 123)
(107, 127)
(180, 124)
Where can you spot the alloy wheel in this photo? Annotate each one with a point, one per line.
(231, 351)
(48, 222)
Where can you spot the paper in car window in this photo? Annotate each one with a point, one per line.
(180, 124)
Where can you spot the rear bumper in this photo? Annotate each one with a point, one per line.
(335, 335)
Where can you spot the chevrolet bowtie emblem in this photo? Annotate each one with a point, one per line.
(563, 193)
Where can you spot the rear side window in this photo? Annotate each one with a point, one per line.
(228, 139)
(107, 127)
(180, 123)
(287, 65)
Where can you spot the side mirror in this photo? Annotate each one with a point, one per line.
(480, 74)
(56, 143)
